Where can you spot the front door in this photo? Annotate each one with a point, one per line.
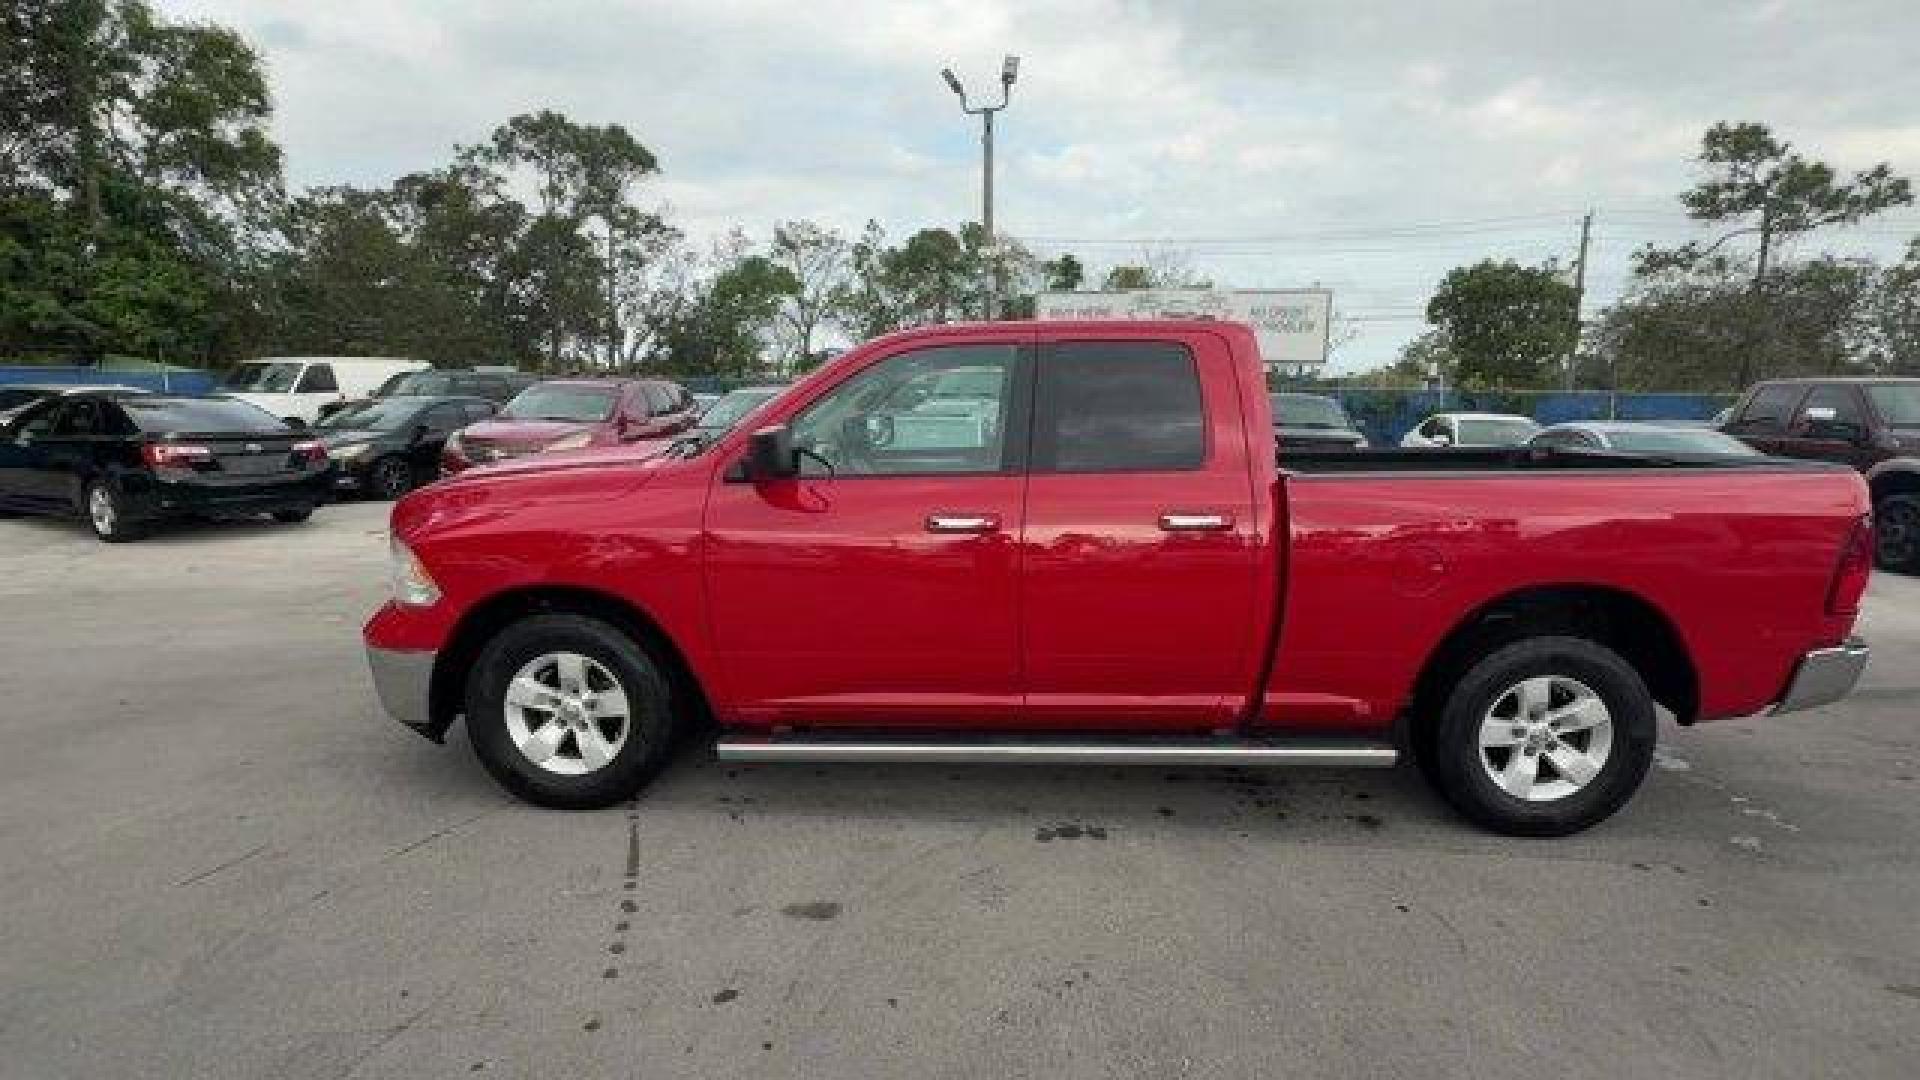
(1830, 425)
(880, 586)
(24, 465)
(1141, 599)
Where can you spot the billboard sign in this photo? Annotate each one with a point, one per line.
(1291, 324)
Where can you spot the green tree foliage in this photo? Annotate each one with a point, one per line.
(1506, 324)
(1762, 189)
(816, 261)
(135, 170)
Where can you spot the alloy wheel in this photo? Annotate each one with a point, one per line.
(567, 713)
(1545, 738)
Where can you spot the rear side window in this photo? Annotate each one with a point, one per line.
(1770, 406)
(1118, 406)
(659, 399)
(317, 380)
(1841, 399)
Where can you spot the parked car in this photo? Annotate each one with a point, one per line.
(126, 462)
(1099, 571)
(294, 388)
(385, 447)
(573, 414)
(1470, 429)
(15, 397)
(494, 384)
(1653, 439)
(1872, 425)
(1314, 422)
(702, 402)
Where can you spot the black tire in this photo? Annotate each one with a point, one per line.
(650, 736)
(112, 527)
(390, 478)
(1896, 526)
(293, 515)
(1455, 765)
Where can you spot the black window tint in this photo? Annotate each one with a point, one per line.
(1768, 409)
(1124, 406)
(1841, 399)
(478, 411)
(317, 380)
(79, 420)
(159, 415)
(14, 397)
(444, 418)
(39, 422)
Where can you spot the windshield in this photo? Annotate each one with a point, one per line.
(1676, 441)
(263, 378)
(382, 415)
(1897, 403)
(550, 401)
(731, 409)
(1482, 431)
(1308, 411)
(417, 383)
(161, 415)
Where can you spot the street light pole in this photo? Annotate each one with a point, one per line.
(1009, 71)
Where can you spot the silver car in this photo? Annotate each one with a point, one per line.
(1647, 438)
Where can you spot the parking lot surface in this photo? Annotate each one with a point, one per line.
(218, 858)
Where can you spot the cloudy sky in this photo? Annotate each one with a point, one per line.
(1367, 147)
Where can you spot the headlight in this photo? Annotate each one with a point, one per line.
(350, 453)
(411, 585)
(572, 442)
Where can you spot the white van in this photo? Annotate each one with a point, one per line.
(294, 387)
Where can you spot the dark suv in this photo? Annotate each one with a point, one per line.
(496, 385)
(1870, 424)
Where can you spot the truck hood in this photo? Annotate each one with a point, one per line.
(538, 484)
(525, 432)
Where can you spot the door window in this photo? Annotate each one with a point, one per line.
(38, 424)
(659, 400)
(937, 410)
(477, 411)
(1831, 412)
(1118, 406)
(1767, 411)
(317, 379)
(79, 420)
(442, 419)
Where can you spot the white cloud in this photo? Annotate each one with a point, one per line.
(1315, 128)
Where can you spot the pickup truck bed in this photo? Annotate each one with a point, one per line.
(1077, 541)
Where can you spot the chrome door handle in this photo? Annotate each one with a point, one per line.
(962, 523)
(1194, 522)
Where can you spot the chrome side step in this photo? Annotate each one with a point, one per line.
(1344, 755)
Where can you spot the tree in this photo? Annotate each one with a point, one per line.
(1894, 316)
(1757, 184)
(1155, 270)
(1697, 332)
(1064, 274)
(134, 169)
(816, 260)
(1505, 322)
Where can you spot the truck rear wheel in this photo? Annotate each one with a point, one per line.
(566, 711)
(1544, 737)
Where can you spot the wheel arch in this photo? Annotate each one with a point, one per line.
(1895, 476)
(1617, 618)
(447, 689)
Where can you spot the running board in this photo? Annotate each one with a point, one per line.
(1344, 755)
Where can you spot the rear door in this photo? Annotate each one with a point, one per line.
(1139, 593)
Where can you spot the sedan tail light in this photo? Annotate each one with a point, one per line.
(175, 455)
(1855, 567)
(311, 451)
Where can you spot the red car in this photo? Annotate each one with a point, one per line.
(1077, 541)
(573, 414)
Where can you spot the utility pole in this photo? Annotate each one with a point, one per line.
(1579, 296)
(1009, 70)
(613, 316)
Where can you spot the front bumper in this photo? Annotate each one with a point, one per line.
(403, 679)
(1824, 676)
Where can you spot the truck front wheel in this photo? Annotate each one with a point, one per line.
(566, 711)
(1543, 737)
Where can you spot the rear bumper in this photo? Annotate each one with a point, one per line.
(403, 679)
(1824, 676)
(160, 498)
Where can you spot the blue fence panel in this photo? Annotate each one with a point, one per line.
(179, 382)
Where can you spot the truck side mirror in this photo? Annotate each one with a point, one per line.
(770, 454)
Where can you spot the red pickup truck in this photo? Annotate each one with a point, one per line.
(1069, 542)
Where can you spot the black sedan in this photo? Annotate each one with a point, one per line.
(1313, 422)
(386, 446)
(127, 462)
